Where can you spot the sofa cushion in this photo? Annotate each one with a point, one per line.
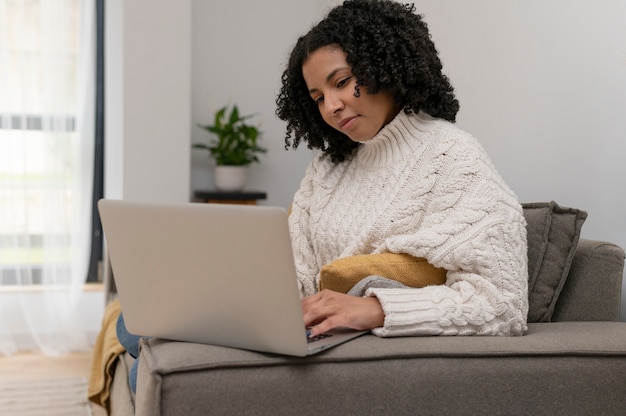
(553, 232)
(342, 274)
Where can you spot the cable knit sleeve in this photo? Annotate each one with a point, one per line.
(299, 225)
(473, 227)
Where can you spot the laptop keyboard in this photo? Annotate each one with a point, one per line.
(318, 337)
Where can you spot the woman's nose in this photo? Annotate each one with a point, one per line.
(332, 104)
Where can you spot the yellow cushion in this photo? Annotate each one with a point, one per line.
(342, 274)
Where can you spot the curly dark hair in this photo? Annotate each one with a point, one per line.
(388, 47)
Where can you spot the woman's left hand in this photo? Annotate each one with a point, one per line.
(327, 309)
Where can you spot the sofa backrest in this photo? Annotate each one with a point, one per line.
(593, 288)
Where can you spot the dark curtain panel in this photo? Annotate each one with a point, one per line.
(98, 177)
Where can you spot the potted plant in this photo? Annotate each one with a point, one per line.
(234, 147)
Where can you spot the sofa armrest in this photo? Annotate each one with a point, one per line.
(592, 291)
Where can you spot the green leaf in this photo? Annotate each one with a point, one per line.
(233, 142)
(234, 116)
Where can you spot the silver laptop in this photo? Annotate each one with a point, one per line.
(209, 273)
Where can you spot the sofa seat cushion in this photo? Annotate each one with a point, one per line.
(564, 367)
(600, 338)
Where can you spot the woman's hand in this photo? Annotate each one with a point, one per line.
(326, 310)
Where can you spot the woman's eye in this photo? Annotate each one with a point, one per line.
(318, 100)
(343, 82)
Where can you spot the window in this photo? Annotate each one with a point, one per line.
(46, 139)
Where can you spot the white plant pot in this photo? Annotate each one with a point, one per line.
(230, 178)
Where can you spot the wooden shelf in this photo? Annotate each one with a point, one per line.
(219, 197)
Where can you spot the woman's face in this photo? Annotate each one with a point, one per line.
(332, 86)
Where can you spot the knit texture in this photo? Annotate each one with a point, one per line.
(424, 187)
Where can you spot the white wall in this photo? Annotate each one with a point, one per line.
(239, 53)
(148, 99)
(542, 84)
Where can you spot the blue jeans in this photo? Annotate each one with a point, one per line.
(130, 342)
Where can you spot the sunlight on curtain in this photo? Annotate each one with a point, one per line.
(46, 169)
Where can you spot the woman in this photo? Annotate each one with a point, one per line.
(365, 87)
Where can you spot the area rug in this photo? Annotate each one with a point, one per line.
(62, 397)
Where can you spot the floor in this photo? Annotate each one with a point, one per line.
(30, 366)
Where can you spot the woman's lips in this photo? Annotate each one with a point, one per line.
(346, 122)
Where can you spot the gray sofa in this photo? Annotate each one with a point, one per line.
(572, 360)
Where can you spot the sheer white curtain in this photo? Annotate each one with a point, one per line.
(47, 63)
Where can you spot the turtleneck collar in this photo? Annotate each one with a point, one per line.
(400, 137)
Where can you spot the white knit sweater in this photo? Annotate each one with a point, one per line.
(424, 187)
